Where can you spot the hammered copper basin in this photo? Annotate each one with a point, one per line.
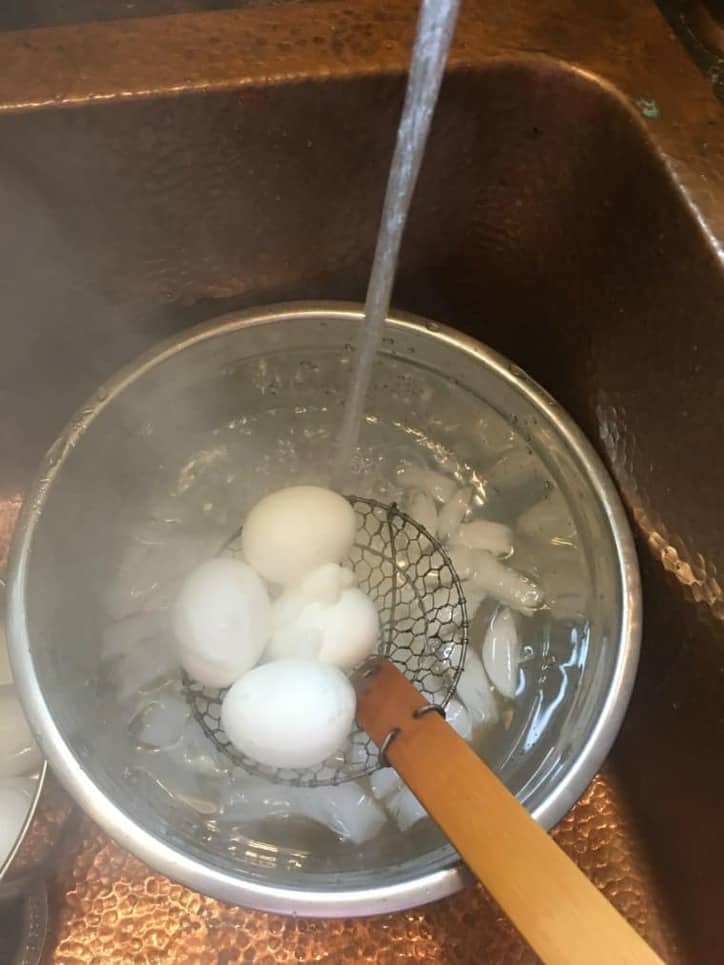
(572, 223)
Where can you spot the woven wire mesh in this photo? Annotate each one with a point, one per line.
(423, 631)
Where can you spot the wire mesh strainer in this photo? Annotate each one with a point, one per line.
(423, 631)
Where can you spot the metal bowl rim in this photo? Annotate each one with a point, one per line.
(7, 883)
(193, 873)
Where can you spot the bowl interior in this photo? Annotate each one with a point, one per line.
(209, 424)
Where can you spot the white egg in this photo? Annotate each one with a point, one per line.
(292, 531)
(326, 582)
(221, 621)
(351, 630)
(19, 754)
(343, 634)
(16, 798)
(289, 713)
(323, 585)
(300, 635)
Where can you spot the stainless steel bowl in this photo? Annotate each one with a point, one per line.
(150, 423)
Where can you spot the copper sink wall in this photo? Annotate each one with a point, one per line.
(570, 213)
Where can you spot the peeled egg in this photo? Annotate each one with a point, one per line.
(343, 634)
(221, 621)
(323, 585)
(326, 582)
(19, 754)
(292, 531)
(289, 713)
(300, 635)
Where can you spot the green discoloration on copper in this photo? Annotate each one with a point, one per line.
(648, 107)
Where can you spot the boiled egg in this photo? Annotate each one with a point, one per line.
(289, 713)
(323, 585)
(294, 530)
(343, 633)
(221, 621)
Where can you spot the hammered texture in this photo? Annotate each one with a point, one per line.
(44, 835)
(575, 227)
(111, 908)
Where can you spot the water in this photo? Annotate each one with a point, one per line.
(229, 468)
(217, 476)
(434, 34)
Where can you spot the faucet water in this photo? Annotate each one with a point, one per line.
(434, 33)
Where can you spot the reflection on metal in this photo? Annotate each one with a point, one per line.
(580, 238)
(33, 931)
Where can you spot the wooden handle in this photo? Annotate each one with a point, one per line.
(561, 914)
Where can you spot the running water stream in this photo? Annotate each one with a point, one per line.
(434, 34)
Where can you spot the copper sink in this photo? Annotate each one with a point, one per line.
(157, 171)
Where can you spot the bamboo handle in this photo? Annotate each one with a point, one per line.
(561, 914)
